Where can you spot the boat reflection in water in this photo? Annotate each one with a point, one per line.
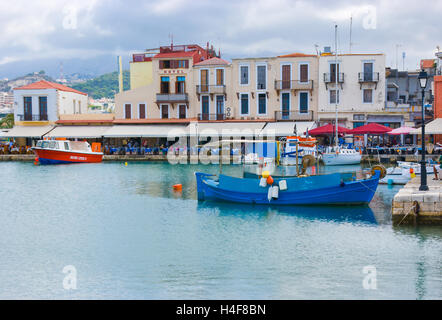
(351, 214)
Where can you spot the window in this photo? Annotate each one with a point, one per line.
(359, 117)
(43, 108)
(204, 80)
(127, 109)
(205, 107)
(333, 95)
(219, 77)
(180, 84)
(66, 145)
(262, 103)
(285, 106)
(357, 124)
(165, 85)
(244, 103)
(303, 73)
(244, 75)
(164, 111)
(286, 77)
(368, 71)
(261, 77)
(219, 107)
(391, 96)
(333, 72)
(182, 111)
(368, 95)
(303, 102)
(142, 111)
(27, 108)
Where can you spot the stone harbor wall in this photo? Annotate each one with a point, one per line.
(411, 206)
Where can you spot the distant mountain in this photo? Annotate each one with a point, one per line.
(8, 85)
(104, 86)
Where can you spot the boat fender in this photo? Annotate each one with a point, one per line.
(283, 185)
(275, 192)
(269, 194)
(263, 182)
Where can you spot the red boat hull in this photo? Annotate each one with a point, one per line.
(59, 157)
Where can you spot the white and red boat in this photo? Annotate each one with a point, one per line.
(65, 151)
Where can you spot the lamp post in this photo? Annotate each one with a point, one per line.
(423, 77)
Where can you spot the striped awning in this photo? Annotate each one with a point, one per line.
(146, 131)
(71, 132)
(27, 132)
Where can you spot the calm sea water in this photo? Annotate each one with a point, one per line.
(130, 236)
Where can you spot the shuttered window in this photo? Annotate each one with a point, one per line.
(262, 103)
(244, 103)
(219, 77)
(261, 70)
(128, 110)
(142, 111)
(286, 69)
(303, 102)
(303, 70)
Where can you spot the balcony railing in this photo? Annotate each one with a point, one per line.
(294, 115)
(32, 117)
(331, 77)
(211, 89)
(368, 76)
(293, 85)
(211, 116)
(172, 97)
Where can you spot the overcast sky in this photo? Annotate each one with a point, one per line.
(87, 35)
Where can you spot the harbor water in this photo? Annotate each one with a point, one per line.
(129, 235)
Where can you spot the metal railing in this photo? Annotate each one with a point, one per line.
(172, 97)
(32, 117)
(331, 77)
(293, 85)
(206, 89)
(211, 116)
(368, 76)
(294, 115)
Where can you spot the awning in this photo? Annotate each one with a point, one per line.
(328, 129)
(371, 128)
(146, 131)
(71, 132)
(280, 129)
(27, 131)
(225, 129)
(433, 127)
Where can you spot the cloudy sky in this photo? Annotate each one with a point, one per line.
(87, 35)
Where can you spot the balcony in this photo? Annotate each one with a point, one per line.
(32, 117)
(294, 85)
(368, 77)
(330, 78)
(172, 97)
(210, 89)
(211, 116)
(293, 115)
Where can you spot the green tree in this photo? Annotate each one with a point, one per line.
(7, 122)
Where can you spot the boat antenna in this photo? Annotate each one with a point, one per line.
(336, 85)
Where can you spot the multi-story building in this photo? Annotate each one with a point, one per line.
(355, 83)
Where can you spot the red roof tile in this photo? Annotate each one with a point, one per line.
(175, 54)
(43, 84)
(427, 63)
(212, 62)
(296, 55)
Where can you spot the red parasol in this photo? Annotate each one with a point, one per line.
(327, 129)
(371, 128)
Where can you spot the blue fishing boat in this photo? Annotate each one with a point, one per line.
(334, 189)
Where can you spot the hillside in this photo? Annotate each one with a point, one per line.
(104, 86)
(7, 86)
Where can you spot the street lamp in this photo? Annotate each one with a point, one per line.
(423, 77)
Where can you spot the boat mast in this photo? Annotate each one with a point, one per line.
(336, 85)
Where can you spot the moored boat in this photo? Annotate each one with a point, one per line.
(65, 151)
(341, 156)
(306, 190)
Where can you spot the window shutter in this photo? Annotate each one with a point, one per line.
(304, 73)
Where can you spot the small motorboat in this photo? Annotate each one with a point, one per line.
(65, 151)
(297, 147)
(403, 173)
(302, 190)
(341, 156)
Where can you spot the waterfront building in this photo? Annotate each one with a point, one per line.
(360, 89)
(39, 105)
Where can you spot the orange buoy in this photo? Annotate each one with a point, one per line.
(411, 170)
(178, 187)
(269, 180)
(36, 159)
